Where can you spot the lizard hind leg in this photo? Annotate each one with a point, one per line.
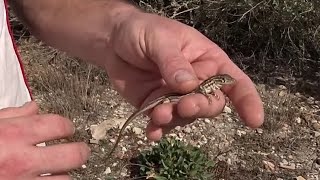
(213, 90)
(216, 95)
(208, 96)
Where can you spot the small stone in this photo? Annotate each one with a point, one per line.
(259, 131)
(173, 135)
(84, 166)
(299, 166)
(229, 161)
(124, 149)
(311, 98)
(284, 161)
(180, 135)
(201, 124)
(229, 119)
(291, 166)
(228, 110)
(316, 134)
(300, 178)
(139, 142)
(107, 171)
(94, 141)
(290, 157)
(207, 121)
(204, 139)
(285, 127)
(187, 130)
(240, 133)
(112, 140)
(137, 130)
(178, 128)
(282, 87)
(298, 120)
(282, 93)
(316, 107)
(316, 126)
(269, 166)
(303, 108)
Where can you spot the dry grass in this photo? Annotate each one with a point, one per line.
(56, 75)
(275, 42)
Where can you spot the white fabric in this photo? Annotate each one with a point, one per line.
(13, 90)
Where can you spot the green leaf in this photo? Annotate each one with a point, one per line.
(172, 159)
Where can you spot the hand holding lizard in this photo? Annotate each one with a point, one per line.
(154, 55)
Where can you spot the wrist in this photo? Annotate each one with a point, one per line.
(121, 15)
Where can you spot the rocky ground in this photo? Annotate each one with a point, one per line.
(285, 147)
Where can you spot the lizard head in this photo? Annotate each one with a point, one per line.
(225, 79)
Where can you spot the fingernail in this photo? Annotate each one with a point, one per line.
(183, 76)
(85, 152)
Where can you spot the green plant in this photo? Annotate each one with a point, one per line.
(171, 159)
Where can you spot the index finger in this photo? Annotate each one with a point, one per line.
(243, 93)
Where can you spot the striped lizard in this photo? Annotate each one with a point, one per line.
(207, 87)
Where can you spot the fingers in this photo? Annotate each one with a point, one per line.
(48, 127)
(167, 116)
(28, 108)
(243, 93)
(198, 105)
(244, 96)
(60, 158)
(37, 128)
(246, 100)
(154, 132)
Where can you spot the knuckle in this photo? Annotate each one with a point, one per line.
(10, 131)
(172, 62)
(60, 123)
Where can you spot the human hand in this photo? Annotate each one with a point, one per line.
(21, 128)
(154, 55)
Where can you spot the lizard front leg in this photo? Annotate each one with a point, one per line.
(209, 96)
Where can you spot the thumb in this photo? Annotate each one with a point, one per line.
(175, 69)
(28, 108)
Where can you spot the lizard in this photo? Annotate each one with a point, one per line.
(207, 87)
